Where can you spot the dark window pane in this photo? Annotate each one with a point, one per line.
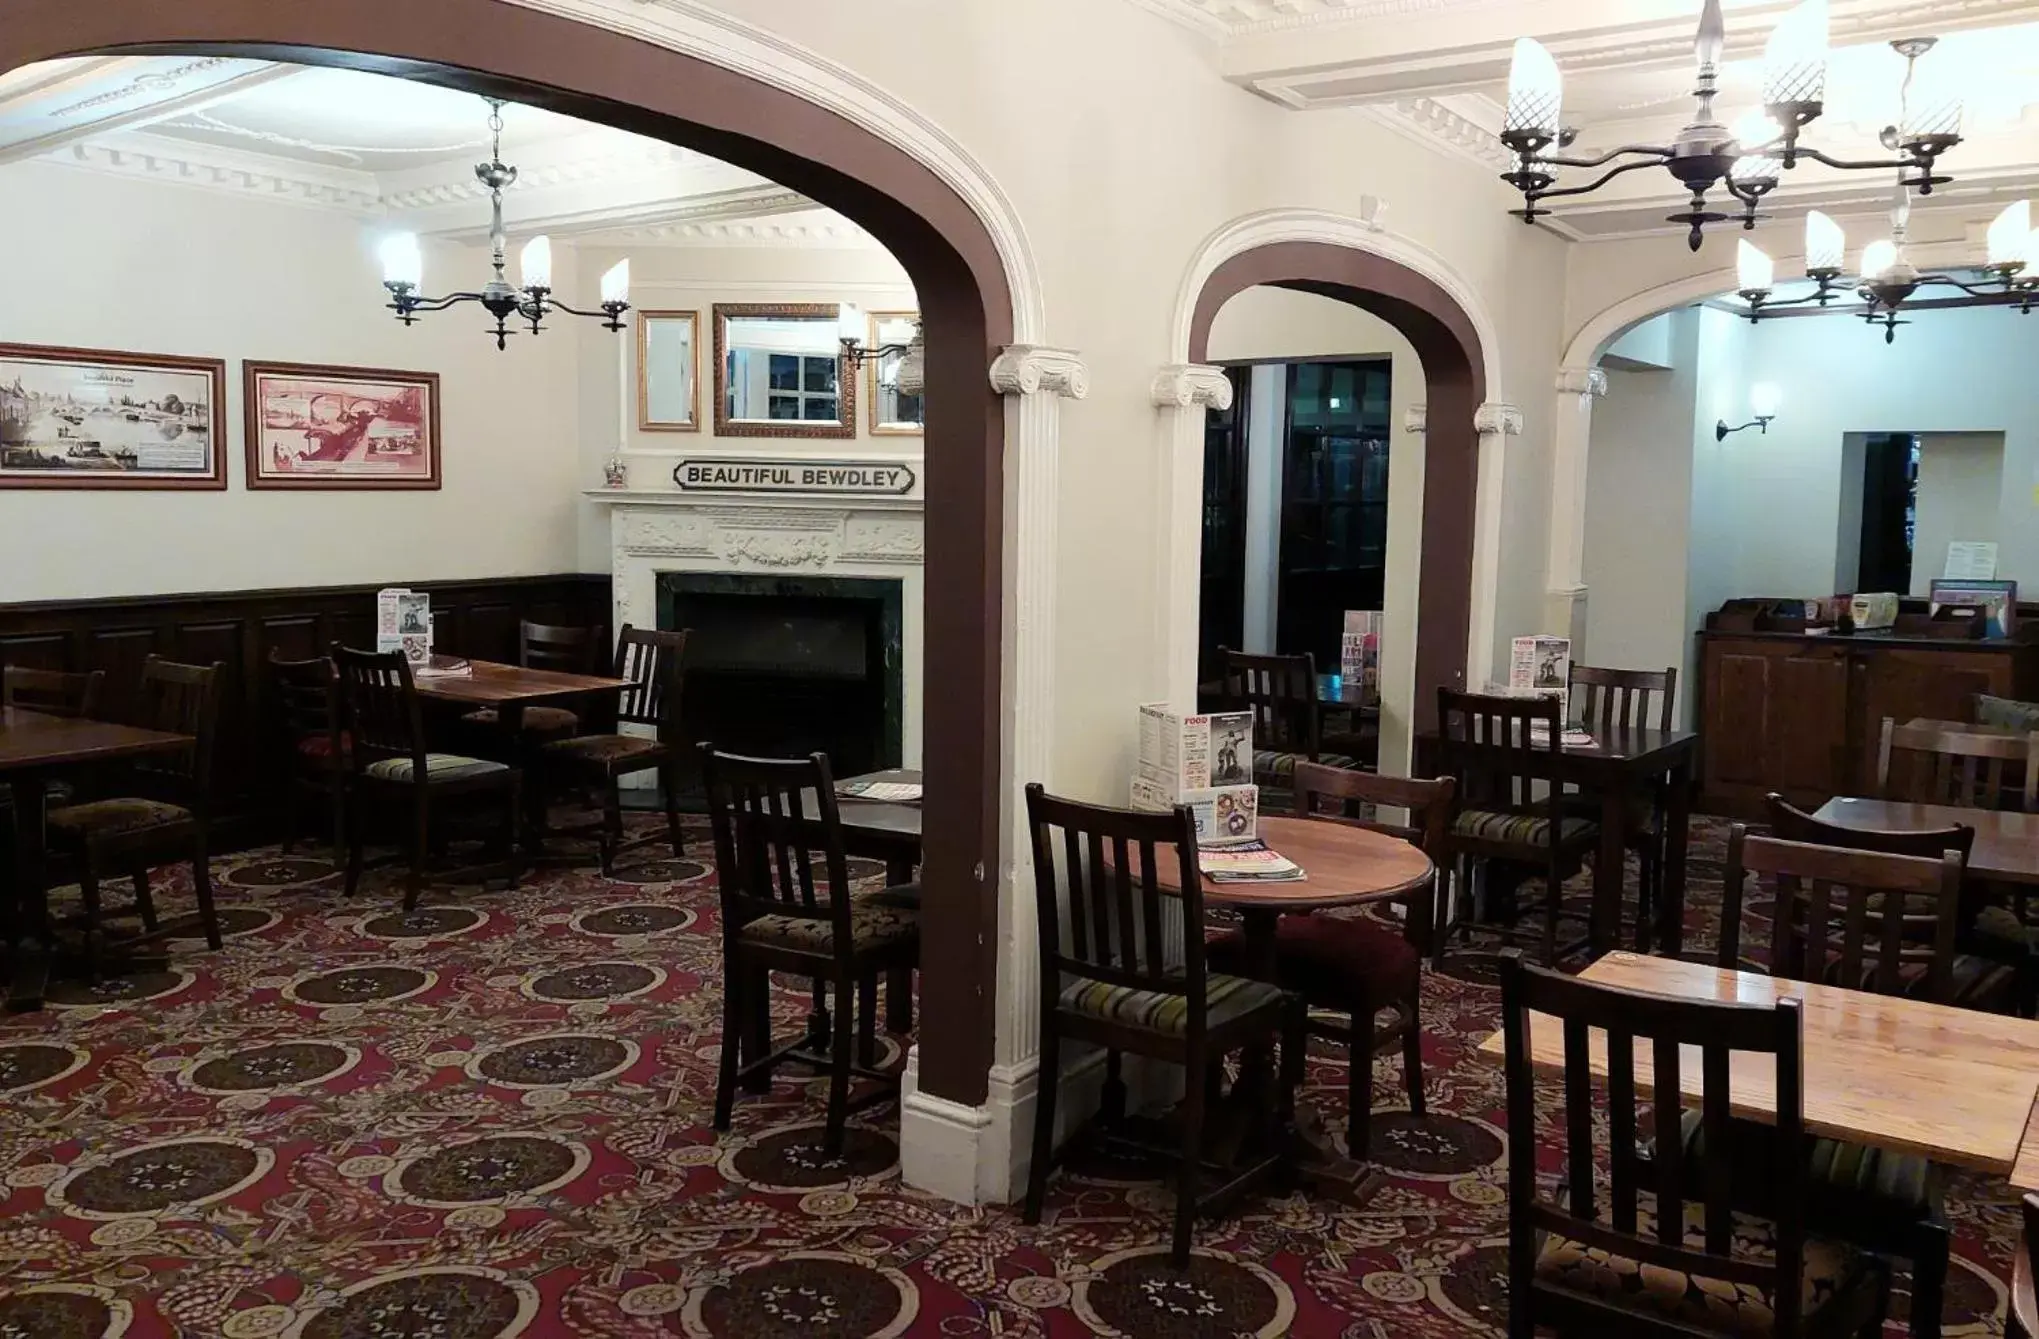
(785, 372)
(785, 406)
(820, 376)
(820, 409)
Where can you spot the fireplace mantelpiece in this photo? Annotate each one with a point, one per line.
(654, 531)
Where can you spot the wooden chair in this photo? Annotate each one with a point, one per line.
(1608, 700)
(314, 746)
(1505, 752)
(1281, 694)
(168, 822)
(2024, 1318)
(1884, 923)
(655, 664)
(768, 852)
(1352, 968)
(390, 767)
(1107, 980)
(1934, 763)
(53, 693)
(1665, 1253)
(543, 646)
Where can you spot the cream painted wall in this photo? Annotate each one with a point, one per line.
(1098, 121)
(101, 262)
(687, 278)
(1960, 497)
(1268, 323)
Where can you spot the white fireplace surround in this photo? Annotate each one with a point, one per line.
(653, 531)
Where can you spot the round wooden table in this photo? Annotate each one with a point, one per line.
(1345, 866)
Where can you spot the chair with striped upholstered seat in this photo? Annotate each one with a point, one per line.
(1112, 977)
(542, 646)
(1506, 752)
(391, 770)
(1281, 694)
(787, 906)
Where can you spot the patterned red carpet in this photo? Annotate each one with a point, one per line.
(491, 1119)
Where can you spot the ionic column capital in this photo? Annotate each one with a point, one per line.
(1589, 381)
(1497, 419)
(1028, 369)
(1180, 385)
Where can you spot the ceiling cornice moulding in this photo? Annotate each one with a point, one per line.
(254, 178)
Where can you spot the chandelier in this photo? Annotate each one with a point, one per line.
(1746, 161)
(1887, 278)
(403, 265)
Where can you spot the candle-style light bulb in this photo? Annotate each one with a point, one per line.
(616, 283)
(849, 323)
(1878, 257)
(536, 263)
(2009, 233)
(1536, 89)
(1826, 245)
(1764, 399)
(1795, 57)
(1755, 272)
(403, 261)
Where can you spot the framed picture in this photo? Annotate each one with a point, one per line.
(779, 372)
(893, 412)
(341, 427)
(668, 377)
(92, 418)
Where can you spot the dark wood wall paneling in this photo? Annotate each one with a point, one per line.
(478, 619)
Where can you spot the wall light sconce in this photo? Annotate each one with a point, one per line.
(1764, 399)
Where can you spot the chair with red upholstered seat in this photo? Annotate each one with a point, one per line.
(315, 748)
(1353, 968)
(654, 663)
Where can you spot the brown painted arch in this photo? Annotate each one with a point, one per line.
(1455, 382)
(490, 46)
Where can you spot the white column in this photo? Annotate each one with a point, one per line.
(978, 1155)
(1495, 422)
(1571, 434)
(1182, 391)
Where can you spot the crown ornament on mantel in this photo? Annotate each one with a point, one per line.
(1748, 160)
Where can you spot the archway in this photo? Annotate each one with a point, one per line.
(974, 282)
(1455, 367)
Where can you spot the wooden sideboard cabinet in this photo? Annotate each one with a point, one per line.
(1802, 714)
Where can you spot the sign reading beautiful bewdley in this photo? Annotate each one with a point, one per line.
(792, 476)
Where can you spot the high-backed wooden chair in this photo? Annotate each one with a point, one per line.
(53, 693)
(1505, 752)
(1933, 763)
(776, 828)
(1884, 923)
(1281, 693)
(168, 820)
(543, 646)
(1351, 968)
(314, 745)
(655, 665)
(1109, 978)
(1607, 701)
(1664, 1251)
(391, 769)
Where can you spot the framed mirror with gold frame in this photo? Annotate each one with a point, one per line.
(669, 371)
(894, 413)
(779, 371)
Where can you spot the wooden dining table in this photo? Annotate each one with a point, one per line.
(1954, 1085)
(507, 690)
(34, 747)
(2006, 846)
(1343, 866)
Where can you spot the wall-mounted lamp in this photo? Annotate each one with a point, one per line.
(1764, 398)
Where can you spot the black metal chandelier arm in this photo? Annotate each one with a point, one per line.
(552, 302)
(1987, 289)
(1596, 183)
(1859, 164)
(436, 304)
(1651, 154)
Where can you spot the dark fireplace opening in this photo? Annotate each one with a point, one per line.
(781, 667)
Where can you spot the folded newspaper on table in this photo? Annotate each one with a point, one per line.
(1248, 862)
(881, 792)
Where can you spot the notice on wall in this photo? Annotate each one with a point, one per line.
(793, 476)
(1971, 560)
